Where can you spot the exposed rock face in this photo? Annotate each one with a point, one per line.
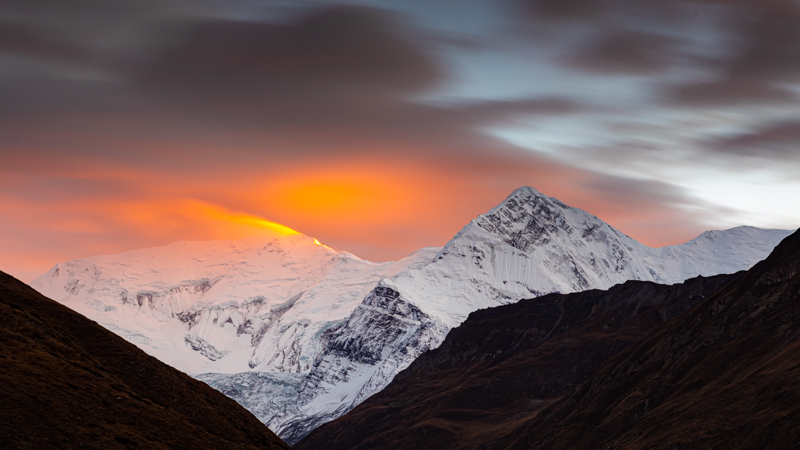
(382, 336)
(67, 382)
(504, 364)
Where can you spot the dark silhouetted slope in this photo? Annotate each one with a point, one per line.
(724, 375)
(503, 365)
(67, 382)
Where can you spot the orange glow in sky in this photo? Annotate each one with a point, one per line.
(379, 209)
(133, 124)
(218, 214)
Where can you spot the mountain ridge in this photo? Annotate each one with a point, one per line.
(295, 312)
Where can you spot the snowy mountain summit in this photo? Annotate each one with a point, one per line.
(532, 244)
(300, 334)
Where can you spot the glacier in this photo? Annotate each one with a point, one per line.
(299, 334)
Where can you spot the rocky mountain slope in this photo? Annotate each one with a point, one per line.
(300, 334)
(505, 364)
(724, 375)
(67, 382)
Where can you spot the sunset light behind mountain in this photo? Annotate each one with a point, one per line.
(381, 127)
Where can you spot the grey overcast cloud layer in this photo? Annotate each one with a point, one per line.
(663, 117)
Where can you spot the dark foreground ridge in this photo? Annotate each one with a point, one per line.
(504, 365)
(66, 382)
(724, 375)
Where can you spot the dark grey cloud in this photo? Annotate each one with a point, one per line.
(757, 50)
(641, 193)
(731, 91)
(776, 141)
(339, 51)
(86, 29)
(564, 9)
(184, 56)
(772, 34)
(20, 40)
(330, 81)
(767, 58)
(631, 52)
(619, 35)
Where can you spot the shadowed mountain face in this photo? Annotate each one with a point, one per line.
(726, 374)
(67, 382)
(503, 365)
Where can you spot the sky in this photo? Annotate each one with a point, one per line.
(379, 127)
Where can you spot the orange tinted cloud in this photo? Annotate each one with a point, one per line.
(38, 235)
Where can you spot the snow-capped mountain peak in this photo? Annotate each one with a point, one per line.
(300, 334)
(528, 218)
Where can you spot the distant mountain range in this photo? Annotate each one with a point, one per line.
(596, 369)
(300, 334)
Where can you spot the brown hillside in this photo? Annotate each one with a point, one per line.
(67, 382)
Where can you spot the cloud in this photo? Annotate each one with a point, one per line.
(306, 121)
(639, 193)
(772, 49)
(767, 57)
(739, 52)
(653, 211)
(730, 91)
(612, 37)
(124, 123)
(631, 52)
(337, 81)
(482, 113)
(20, 40)
(766, 60)
(777, 141)
(565, 9)
(341, 51)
